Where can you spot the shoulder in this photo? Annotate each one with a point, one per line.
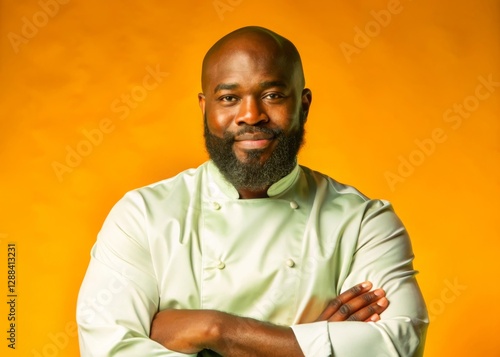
(341, 195)
(369, 220)
(172, 192)
(182, 183)
(185, 180)
(334, 188)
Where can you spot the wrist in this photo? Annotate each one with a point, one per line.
(215, 327)
(221, 328)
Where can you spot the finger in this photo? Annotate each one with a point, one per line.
(373, 318)
(364, 313)
(361, 307)
(380, 306)
(335, 304)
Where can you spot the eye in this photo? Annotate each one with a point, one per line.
(274, 96)
(228, 99)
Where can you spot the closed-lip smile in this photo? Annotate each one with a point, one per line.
(253, 140)
(254, 136)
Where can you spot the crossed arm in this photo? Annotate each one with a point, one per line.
(191, 331)
(119, 300)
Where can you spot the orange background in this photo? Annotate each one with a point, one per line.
(386, 118)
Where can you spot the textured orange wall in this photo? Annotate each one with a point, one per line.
(98, 98)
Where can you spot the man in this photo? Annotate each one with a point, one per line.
(251, 254)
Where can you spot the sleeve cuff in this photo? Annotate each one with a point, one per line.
(313, 339)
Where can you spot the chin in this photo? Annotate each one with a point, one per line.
(256, 156)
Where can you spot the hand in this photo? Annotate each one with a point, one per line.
(356, 304)
(185, 331)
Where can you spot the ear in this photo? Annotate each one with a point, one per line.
(306, 102)
(201, 102)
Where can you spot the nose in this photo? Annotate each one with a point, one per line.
(251, 112)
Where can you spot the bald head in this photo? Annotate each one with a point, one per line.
(260, 43)
(254, 106)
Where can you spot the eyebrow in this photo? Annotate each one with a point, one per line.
(265, 84)
(226, 86)
(269, 84)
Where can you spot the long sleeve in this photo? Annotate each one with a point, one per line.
(187, 242)
(382, 255)
(119, 295)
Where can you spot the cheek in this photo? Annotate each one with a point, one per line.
(286, 118)
(218, 121)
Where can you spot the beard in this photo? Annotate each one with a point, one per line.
(253, 175)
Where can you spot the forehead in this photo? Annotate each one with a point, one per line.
(244, 65)
(248, 61)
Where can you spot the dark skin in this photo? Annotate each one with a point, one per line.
(250, 77)
(255, 85)
(190, 331)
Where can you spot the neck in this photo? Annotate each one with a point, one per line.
(249, 194)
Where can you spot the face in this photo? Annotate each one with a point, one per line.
(254, 110)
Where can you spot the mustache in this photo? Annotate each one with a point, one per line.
(248, 129)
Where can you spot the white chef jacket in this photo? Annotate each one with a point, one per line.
(189, 242)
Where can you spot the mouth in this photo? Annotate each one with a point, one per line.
(253, 140)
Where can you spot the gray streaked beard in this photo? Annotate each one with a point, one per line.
(252, 175)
